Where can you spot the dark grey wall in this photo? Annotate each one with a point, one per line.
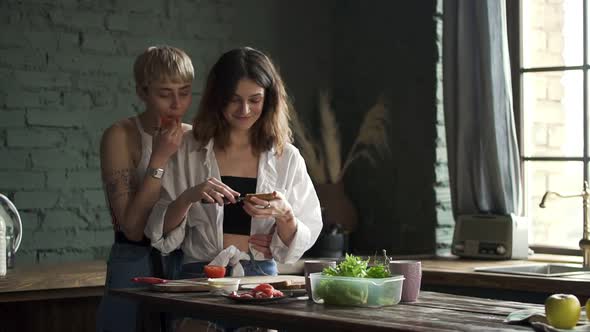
(388, 47)
(360, 50)
(66, 75)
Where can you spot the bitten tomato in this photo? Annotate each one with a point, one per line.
(167, 120)
(214, 271)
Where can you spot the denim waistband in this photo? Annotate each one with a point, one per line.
(121, 238)
(251, 268)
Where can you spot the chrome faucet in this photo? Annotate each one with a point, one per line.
(585, 241)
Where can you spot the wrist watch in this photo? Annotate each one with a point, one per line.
(156, 173)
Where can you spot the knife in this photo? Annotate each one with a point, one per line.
(239, 199)
(225, 200)
(155, 281)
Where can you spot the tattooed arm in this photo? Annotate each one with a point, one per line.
(131, 200)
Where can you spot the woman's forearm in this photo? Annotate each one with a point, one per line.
(138, 210)
(175, 213)
(286, 228)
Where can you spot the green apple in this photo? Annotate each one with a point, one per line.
(562, 310)
(588, 308)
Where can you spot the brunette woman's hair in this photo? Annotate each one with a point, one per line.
(271, 129)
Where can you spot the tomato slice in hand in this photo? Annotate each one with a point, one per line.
(214, 271)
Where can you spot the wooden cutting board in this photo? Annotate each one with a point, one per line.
(280, 282)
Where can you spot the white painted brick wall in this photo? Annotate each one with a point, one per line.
(444, 213)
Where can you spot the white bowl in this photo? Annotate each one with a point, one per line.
(223, 285)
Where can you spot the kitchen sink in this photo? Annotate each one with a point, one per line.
(538, 270)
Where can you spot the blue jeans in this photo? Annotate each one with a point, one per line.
(251, 268)
(171, 264)
(125, 262)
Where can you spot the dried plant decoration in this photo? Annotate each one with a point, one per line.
(372, 134)
(310, 150)
(324, 161)
(330, 138)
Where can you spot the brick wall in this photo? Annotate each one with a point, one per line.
(552, 35)
(65, 75)
(444, 210)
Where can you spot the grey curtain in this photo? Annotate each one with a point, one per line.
(483, 157)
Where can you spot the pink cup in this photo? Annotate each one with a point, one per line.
(412, 271)
(313, 266)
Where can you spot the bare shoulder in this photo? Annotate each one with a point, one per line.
(115, 146)
(119, 131)
(116, 161)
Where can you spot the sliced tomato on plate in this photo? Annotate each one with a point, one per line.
(267, 289)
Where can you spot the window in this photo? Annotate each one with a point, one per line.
(548, 46)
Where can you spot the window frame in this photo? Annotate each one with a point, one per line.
(513, 19)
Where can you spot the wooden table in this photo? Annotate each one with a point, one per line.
(70, 292)
(433, 312)
(53, 281)
(54, 297)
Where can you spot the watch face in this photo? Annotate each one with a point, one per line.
(157, 173)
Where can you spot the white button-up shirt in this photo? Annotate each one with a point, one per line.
(200, 235)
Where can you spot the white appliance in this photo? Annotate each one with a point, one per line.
(13, 229)
(491, 236)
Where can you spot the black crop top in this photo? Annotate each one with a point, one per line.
(235, 219)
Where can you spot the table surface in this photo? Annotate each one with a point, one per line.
(432, 312)
(53, 281)
(80, 279)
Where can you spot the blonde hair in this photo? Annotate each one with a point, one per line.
(158, 63)
(272, 128)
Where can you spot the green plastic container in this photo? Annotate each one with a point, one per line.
(361, 292)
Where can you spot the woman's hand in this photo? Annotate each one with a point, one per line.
(166, 140)
(280, 209)
(211, 191)
(261, 242)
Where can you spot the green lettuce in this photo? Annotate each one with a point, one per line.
(349, 292)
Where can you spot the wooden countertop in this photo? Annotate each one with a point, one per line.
(432, 312)
(82, 279)
(63, 280)
(453, 271)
